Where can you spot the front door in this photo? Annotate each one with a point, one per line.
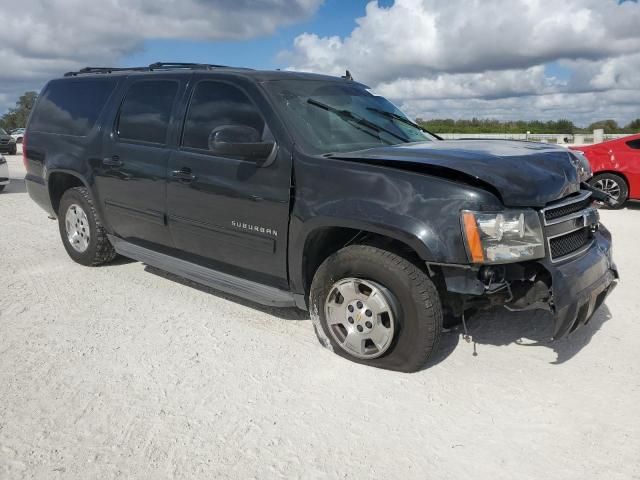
(131, 177)
(228, 213)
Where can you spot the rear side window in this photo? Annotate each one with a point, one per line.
(635, 144)
(214, 104)
(71, 107)
(146, 110)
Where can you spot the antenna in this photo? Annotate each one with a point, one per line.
(347, 76)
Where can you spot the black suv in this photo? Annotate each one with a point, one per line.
(7, 143)
(304, 190)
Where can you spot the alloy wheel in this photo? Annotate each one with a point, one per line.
(77, 228)
(360, 317)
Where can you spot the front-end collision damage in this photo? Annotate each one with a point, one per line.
(572, 291)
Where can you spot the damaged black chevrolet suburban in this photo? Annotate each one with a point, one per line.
(304, 190)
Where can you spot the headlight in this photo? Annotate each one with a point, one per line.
(12, 140)
(502, 237)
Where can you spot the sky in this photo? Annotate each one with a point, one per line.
(504, 59)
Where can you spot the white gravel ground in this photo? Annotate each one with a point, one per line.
(125, 372)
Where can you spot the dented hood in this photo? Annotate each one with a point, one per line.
(523, 173)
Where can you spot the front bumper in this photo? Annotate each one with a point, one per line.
(580, 286)
(572, 290)
(7, 147)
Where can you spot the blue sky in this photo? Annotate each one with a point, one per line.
(334, 17)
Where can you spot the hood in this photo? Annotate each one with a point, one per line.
(522, 173)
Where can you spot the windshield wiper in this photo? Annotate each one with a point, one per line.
(355, 120)
(402, 119)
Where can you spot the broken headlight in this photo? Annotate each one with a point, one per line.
(503, 237)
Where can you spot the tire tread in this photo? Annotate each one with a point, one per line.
(104, 251)
(423, 287)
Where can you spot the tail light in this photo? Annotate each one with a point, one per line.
(24, 150)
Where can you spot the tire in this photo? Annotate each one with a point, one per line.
(2, 188)
(415, 308)
(612, 183)
(92, 247)
(14, 150)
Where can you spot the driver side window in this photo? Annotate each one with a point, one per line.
(217, 104)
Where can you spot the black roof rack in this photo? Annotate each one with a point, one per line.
(150, 68)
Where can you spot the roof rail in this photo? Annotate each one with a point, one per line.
(150, 68)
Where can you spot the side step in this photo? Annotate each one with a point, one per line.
(224, 282)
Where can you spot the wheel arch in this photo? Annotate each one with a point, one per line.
(613, 172)
(59, 181)
(322, 241)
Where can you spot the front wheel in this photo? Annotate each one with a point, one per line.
(14, 150)
(374, 307)
(613, 185)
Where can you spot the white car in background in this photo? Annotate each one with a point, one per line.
(4, 173)
(18, 134)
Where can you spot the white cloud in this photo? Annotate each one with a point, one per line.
(488, 58)
(47, 38)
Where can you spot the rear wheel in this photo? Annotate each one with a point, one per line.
(83, 236)
(374, 307)
(613, 185)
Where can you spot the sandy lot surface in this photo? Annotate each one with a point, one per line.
(125, 372)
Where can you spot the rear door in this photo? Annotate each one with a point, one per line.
(131, 173)
(229, 213)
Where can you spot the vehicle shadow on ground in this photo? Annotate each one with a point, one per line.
(500, 327)
(497, 327)
(283, 313)
(16, 185)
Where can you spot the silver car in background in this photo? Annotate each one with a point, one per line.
(4, 173)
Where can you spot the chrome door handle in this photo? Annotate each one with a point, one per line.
(184, 175)
(112, 161)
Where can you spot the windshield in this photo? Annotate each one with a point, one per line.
(332, 116)
(2, 131)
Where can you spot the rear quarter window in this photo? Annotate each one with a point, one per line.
(635, 144)
(145, 113)
(71, 107)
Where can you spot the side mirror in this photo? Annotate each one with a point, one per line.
(240, 141)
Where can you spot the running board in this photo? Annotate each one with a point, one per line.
(256, 292)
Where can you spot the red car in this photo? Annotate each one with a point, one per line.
(616, 167)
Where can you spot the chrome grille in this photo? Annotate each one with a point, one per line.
(554, 213)
(569, 226)
(569, 243)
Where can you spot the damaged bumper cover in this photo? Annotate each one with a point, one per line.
(579, 287)
(571, 290)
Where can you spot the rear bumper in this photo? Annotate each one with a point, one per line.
(39, 192)
(580, 286)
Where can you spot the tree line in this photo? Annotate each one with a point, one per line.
(481, 125)
(17, 117)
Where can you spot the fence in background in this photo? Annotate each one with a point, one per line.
(560, 138)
